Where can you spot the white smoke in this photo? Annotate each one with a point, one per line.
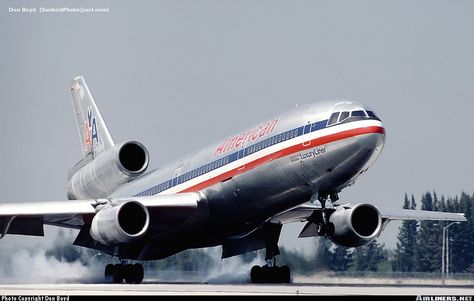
(33, 266)
(229, 270)
(25, 260)
(232, 270)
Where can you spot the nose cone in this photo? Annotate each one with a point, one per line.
(374, 143)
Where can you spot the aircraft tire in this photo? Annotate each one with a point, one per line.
(139, 273)
(109, 272)
(256, 274)
(266, 274)
(129, 273)
(118, 274)
(285, 274)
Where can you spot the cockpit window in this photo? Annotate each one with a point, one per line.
(371, 114)
(344, 115)
(358, 113)
(333, 118)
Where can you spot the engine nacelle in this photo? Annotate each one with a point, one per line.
(99, 177)
(356, 226)
(120, 224)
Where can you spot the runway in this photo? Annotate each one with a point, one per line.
(153, 288)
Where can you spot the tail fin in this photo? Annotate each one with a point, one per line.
(93, 132)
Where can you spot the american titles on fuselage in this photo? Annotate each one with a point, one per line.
(246, 137)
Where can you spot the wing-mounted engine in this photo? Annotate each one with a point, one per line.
(98, 177)
(354, 226)
(121, 223)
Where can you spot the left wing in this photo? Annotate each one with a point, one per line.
(28, 218)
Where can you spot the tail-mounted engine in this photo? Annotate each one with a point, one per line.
(100, 176)
(119, 224)
(355, 226)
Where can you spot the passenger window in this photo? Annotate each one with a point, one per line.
(359, 113)
(333, 118)
(344, 115)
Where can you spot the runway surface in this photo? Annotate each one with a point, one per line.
(153, 288)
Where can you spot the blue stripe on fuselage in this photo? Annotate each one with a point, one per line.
(273, 140)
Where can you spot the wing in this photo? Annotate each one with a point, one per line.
(310, 212)
(28, 218)
(408, 214)
(303, 212)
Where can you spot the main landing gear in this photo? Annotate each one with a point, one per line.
(131, 273)
(271, 273)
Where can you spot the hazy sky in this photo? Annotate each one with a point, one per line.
(178, 75)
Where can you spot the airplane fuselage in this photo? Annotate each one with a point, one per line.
(255, 174)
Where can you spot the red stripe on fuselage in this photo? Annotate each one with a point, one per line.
(285, 152)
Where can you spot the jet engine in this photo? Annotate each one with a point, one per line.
(100, 176)
(119, 224)
(354, 226)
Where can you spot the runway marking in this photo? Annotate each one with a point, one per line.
(229, 289)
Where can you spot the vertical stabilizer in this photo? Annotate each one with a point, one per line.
(93, 132)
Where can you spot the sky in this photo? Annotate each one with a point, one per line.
(179, 75)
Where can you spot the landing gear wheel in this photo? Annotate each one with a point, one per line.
(285, 274)
(256, 274)
(139, 273)
(267, 274)
(129, 273)
(118, 274)
(109, 272)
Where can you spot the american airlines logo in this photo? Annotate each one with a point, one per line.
(90, 129)
(246, 137)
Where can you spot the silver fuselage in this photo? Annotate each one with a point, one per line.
(253, 175)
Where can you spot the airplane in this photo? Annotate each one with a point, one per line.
(236, 193)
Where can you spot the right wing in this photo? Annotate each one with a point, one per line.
(307, 212)
(301, 213)
(389, 214)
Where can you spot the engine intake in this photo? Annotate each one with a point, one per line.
(120, 224)
(356, 226)
(99, 177)
(133, 157)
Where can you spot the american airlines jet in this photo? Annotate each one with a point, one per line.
(236, 193)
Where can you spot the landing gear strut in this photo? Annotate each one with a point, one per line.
(271, 273)
(322, 198)
(131, 273)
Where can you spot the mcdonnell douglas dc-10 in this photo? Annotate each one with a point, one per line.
(236, 193)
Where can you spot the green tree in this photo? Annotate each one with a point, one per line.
(429, 239)
(369, 257)
(404, 259)
(341, 258)
(323, 255)
(298, 262)
(461, 235)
